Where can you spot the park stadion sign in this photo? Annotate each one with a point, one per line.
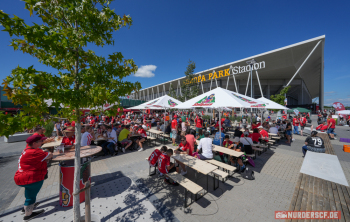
(226, 72)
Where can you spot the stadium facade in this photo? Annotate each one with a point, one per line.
(299, 65)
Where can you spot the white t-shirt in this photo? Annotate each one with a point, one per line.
(183, 126)
(258, 119)
(206, 145)
(112, 134)
(273, 130)
(246, 141)
(86, 139)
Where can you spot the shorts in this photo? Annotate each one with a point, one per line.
(203, 157)
(171, 170)
(174, 133)
(125, 141)
(302, 127)
(197, 129)
(289, 132)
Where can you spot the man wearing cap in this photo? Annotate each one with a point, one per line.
(32, 169)
(263, 133)
(69, 138)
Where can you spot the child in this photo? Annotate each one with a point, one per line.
(237, 146)
(165, 167)
(153, 158)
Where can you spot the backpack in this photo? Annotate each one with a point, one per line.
(248, 173)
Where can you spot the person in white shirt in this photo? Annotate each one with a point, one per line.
(109, 145)
(205, 144)
(86, 137)
(258, 118)
(273, 129)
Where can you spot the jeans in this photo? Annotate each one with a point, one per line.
(331, 130)
(296, 130)
(31, 191)
(313, 149)
(109, 146)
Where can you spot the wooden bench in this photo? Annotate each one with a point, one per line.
(222, 165)
(187, 184)
(150, 139)
(312, 193)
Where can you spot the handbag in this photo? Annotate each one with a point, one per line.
(196, 155)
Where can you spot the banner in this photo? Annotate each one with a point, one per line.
(296, 112)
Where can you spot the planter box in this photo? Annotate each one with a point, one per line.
(17, 137)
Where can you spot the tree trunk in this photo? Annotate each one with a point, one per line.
(76, 185)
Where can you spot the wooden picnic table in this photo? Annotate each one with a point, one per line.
(227, 151)
(69, 154)
(196, 164)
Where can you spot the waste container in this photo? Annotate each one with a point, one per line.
(67, 181)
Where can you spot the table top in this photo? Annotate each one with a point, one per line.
(85, 151)
(196, 164)
(155, 131)
(227, 151)
(51, 144)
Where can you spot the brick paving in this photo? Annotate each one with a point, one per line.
(276, 174)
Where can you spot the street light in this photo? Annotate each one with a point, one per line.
(251, 63)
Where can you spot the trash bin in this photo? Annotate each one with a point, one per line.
(67, 181)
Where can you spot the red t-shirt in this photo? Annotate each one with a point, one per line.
(186, 147)
(227, 143)
(153, 158)
(256, 136)
(295, 122)
(198, 122)
(68, 141)
(142, 132)
(319, 127)
(263, 133)
(333, 123)
(303, 121)
(190, 139)
(67, 124)
(174, 124)
(42, 135)
(324, 127)
(163, 162)
(31, 166)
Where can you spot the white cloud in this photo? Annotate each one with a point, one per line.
(146, 71)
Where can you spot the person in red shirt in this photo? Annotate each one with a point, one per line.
(254, 125)
(165, 167)
(331, 126)
(190, 139)
(153, 158)
(256, 136)
(69, 138)
(302, 124)
(263, 133)
(67, 123)
(174, 130)
(142, 138)
(228, 144)
(295, 125)
(32, 169)
(199, 123)
(183, 148)
(39, 131)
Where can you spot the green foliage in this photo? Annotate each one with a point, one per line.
(190, 88)
(61, 41)
(206, 117)
(49, 126)
(279, 98)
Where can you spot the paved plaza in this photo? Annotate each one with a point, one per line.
(123, 191)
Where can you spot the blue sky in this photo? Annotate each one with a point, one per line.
(166, 34)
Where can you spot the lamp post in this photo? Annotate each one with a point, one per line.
(251, 63)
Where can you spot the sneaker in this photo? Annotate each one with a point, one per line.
(35, 205)
(167, 181)
(183, 173)
(175, 184)
(123, 149)
(175, 144)
(114, 154)
(141, 149)
(293, 139)
(33, 215)
(335, 138)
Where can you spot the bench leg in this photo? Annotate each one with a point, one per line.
(150, 173)
(214, 180)
(185, 200)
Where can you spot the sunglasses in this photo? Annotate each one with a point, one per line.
(183, 140)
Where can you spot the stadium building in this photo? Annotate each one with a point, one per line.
(299, 65)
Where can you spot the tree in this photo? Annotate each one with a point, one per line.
(190, 87)
(279, 97)
(83, 79)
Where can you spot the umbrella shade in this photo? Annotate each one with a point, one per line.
(300, 109)
(146, 105)
(219, 98)
(271, 104)
(165, 102)
(344, 112)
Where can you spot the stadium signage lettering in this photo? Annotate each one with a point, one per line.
(226, 72)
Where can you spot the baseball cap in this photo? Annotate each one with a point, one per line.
(34, 138)
(260, 127)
